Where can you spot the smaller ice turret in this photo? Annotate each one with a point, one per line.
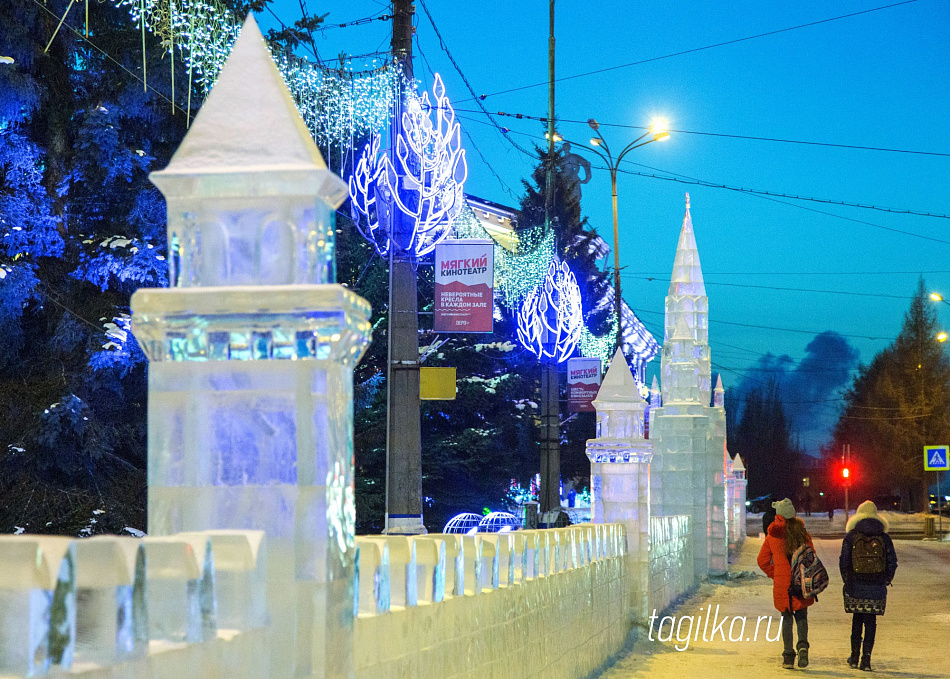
(719, 394)
(655, 394)
(248, 192)
(620, 407)
(620, 473)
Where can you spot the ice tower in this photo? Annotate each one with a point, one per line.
(620, 472)
(688, 432)
(251, 354)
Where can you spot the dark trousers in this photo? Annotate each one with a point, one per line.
(868, 621)
(801, 621)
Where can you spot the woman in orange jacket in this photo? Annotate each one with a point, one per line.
(784, 536)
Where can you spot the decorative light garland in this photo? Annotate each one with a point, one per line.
(551, 318)
(602, 346)
(423, 181)
(337, 104)
(516, 273)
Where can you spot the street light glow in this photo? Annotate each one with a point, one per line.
(595, 141)
(941, 337)
(6, 60)
(660, 130)
(936, 297)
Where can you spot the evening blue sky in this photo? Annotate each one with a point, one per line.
(879, 79)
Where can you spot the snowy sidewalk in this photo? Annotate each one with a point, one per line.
(912, 638)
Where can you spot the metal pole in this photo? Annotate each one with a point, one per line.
(617, 299)
(403, 424)
(550, 496)
(939, 513)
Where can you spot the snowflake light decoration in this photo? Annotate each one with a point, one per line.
(423, 180)
(551, 318)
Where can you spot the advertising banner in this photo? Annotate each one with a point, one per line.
(464, 286)
(583, 383)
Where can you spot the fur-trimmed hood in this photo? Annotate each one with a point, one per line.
(777, 527)
(867, 511)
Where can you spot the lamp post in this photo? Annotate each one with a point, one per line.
(656, 132)
(941, 337)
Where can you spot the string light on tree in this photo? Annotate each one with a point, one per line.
(551, 318)
(424, 182)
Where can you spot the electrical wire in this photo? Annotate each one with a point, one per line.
(481, 155)
(543, 119)
(685, 179)
(770, 327)
(467, 83)
(108, 56)
(695, 49)
(774, 287)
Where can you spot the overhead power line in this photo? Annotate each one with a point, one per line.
(769, 195)
(771, 327)
(774, 287)
(696, 49)
(467, 83)
(796, 273)
(777, 194)
(543, 119)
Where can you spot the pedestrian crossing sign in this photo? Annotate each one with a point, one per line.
(936, 458)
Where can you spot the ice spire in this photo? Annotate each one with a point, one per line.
(719, 394)
(687, 304)
(687, 278)
(655, 394)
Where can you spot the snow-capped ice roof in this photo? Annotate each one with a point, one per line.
(249, 121)
(681, 330)
(618, 384)
(687, 278)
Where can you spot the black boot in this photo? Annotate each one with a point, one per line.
(788, 661)
(855, 653)
(866, 662)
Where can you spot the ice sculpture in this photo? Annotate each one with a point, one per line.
(688, 433)
(620, 473)
(251, 355)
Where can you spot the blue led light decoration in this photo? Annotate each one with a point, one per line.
(423, 180)
(551, 319)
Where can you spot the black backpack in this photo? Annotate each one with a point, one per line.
(868, 554)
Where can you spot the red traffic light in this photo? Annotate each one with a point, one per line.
(845, 473)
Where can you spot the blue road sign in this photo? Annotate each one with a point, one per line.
(936, 458)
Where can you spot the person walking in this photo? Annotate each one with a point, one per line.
(784, 536)
(867, 563)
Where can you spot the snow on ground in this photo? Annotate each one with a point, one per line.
(911, 637)
(818, 523)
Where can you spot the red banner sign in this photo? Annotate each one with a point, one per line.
(464, 286)
(583, 383)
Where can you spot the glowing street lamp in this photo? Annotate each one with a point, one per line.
(941, 336)
(6, 60)
(658, 131)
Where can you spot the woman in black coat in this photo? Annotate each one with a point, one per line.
(867, 563)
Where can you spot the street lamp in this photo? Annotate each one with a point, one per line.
(6, 60)
(658, 131)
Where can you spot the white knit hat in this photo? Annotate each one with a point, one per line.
(784, 508)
